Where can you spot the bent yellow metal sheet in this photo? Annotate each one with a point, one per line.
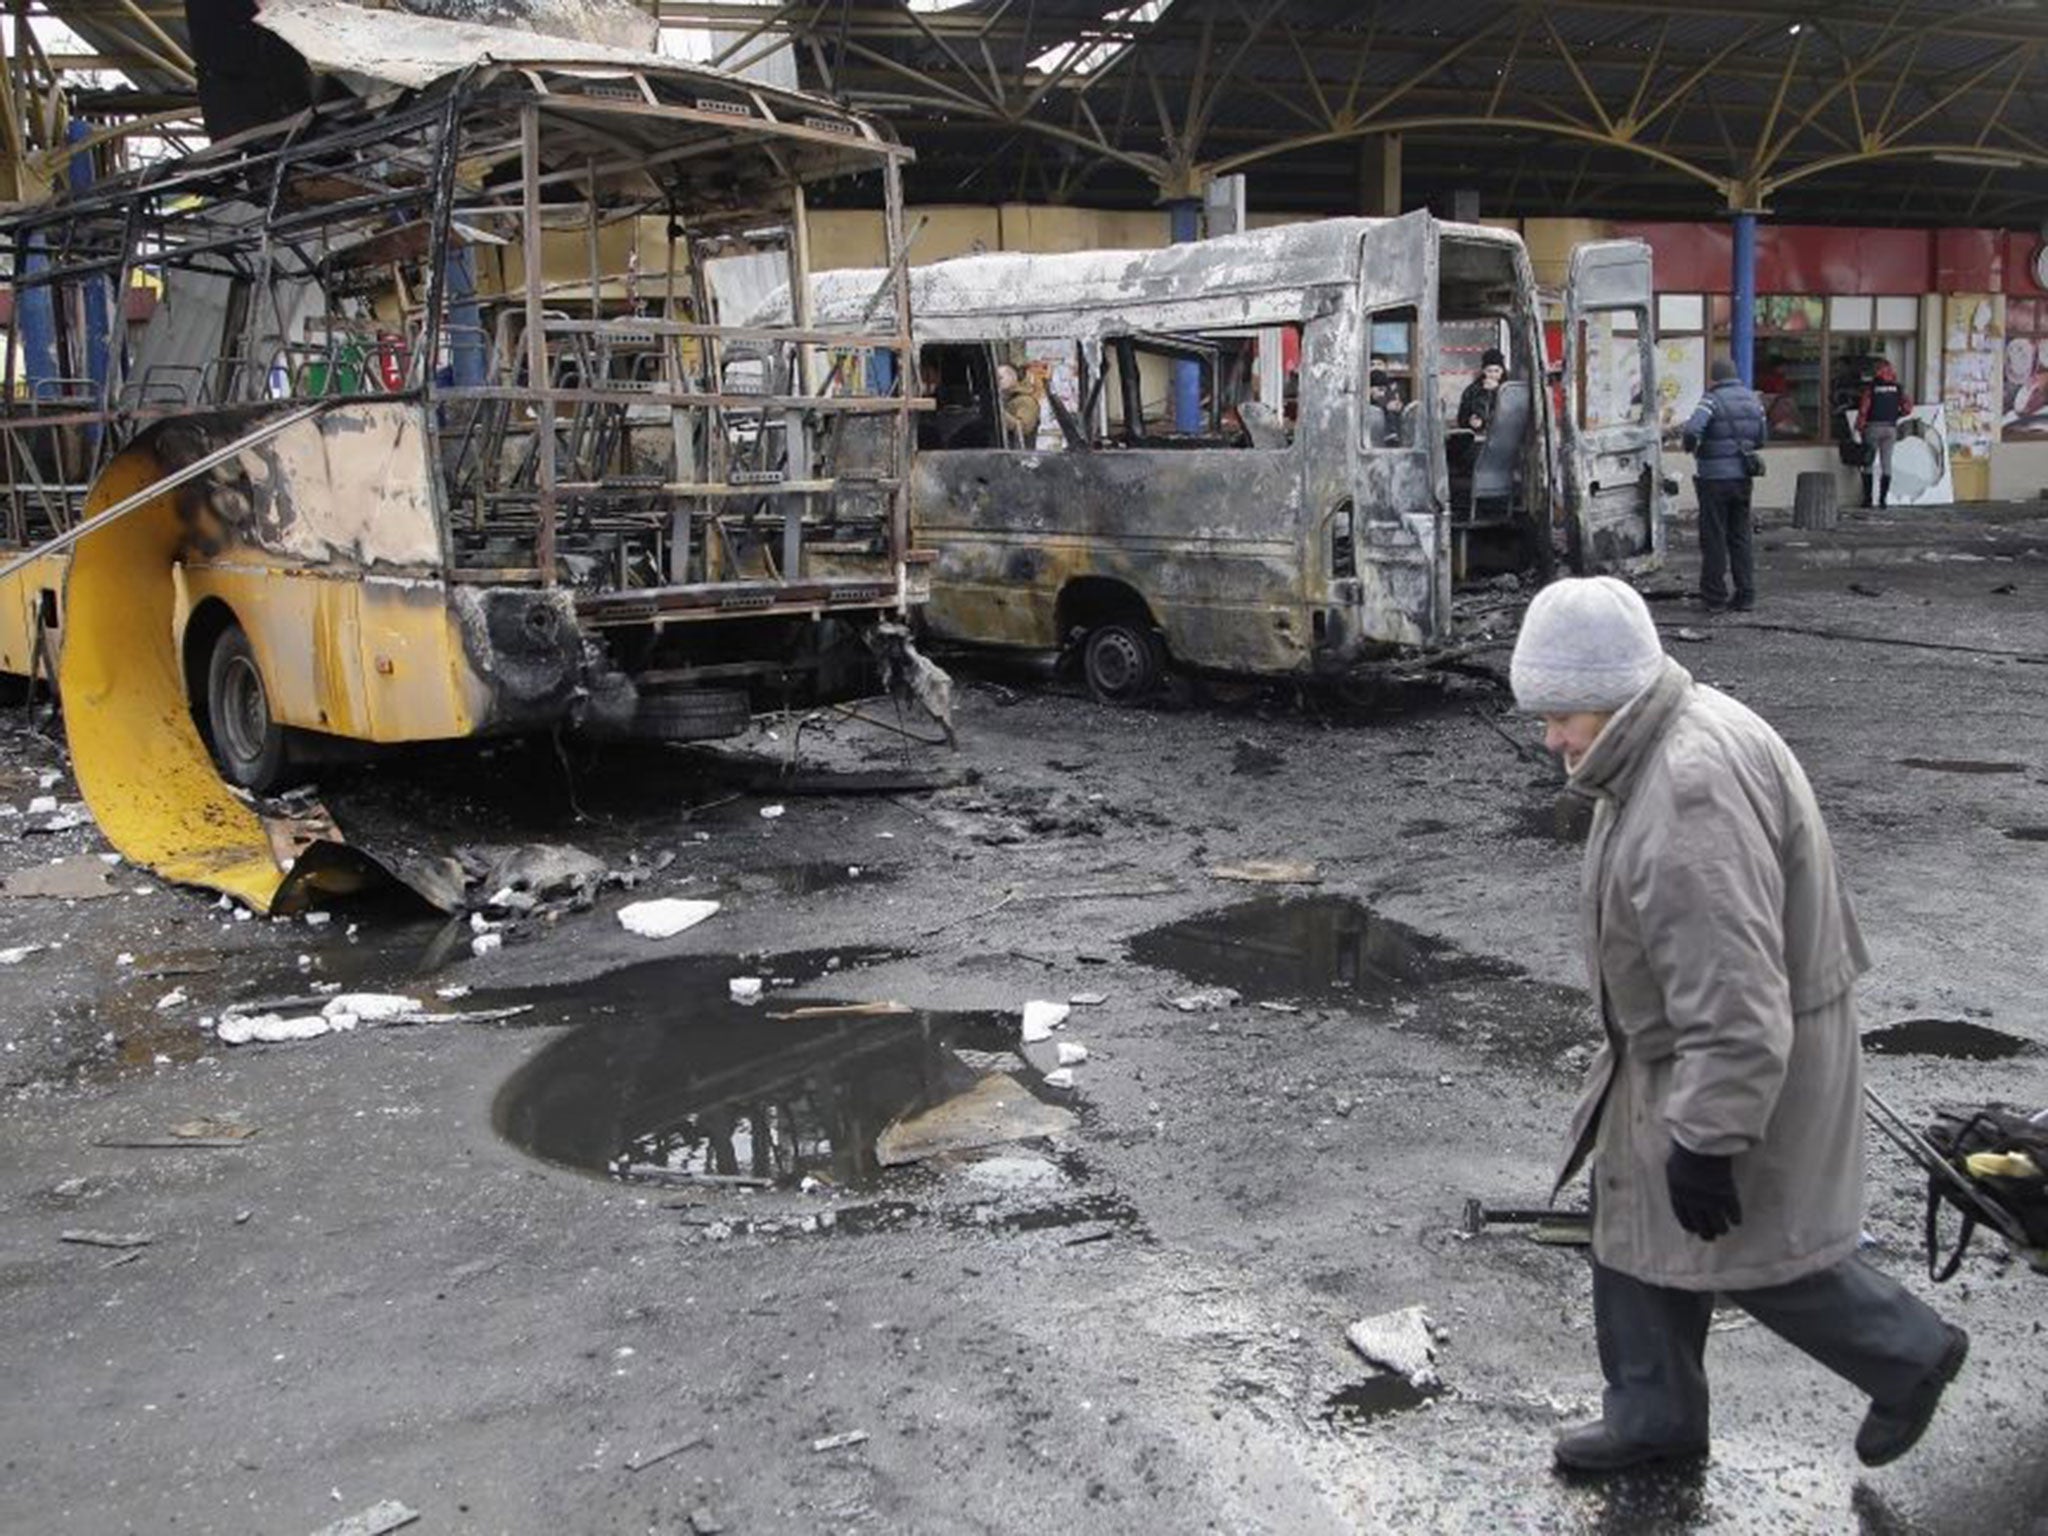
(141, 765)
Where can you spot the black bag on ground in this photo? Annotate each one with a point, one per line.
(2017, 1140)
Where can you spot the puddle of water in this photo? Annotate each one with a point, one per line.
(1960, 765)
(665, 1070)
(1317, 947)
(816, 877)
(1556, 819)
(2028, 834)
(1251, 761)
(1375, 1398)
(1951, 1039)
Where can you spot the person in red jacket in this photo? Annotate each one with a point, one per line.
(1885, 405)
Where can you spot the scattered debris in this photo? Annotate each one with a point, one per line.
(48, 816)
(661, 1173)
(704, 1523)
(271, 1028)
(208, 1128)
(178, 1143)
(76, 879)
(1042, 1018)
(1691, 636)
(1403, 1342)
(390, 1515)
(745, 989)
(20, 952)
(2006, 589)
(177, 997)
(840, 1442)
(1060, 1077)
(1274, 1007)
(486, 944)
(772, 812)
(130, 1257)
(664, 918)
(1269, 872)
(640, 1461)
(995, 1110)
(880, 1010)
(1207, 1000)
(1072, 1053)
(1253, 761)
(92, 1239)
(267, 1024)
(1088, 999)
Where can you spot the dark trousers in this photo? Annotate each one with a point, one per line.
(1725, 544)
(1863, 1326)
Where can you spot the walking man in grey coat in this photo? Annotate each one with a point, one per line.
(1723, 1117)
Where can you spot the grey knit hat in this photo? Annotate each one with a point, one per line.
(1587, 644)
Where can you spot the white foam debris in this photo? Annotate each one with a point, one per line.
(1042, 1018)
(745, 989)
(664, 918)
(371, 1007)
(486, 943)
(1072, 1053)
(175, 998)
(772, 812)
(19, 953)
(272, 1028)
(42, 805)
(1060, 1077)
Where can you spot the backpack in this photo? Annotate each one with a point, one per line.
(1993, 1169)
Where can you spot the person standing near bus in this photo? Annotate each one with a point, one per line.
(1723, 1116)
(1723, 435)
(1885, 405)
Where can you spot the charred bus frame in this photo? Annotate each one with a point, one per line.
(522, 501)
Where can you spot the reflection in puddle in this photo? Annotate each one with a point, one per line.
(1952, 1039)
(1960, 765)
(1374, 1398)
(671, 1075)
(817, 877)
(1320, 947)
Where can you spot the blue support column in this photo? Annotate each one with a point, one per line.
(1742, 319)
(1187, 377)
(96, 293)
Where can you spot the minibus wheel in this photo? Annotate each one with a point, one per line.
(248, 743)
(1123, 662)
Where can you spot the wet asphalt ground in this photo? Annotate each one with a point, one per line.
(422, 1280)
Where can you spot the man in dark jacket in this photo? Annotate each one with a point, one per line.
(1723, 430)
(1885, 404)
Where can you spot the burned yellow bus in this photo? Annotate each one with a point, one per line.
(434, 432)
(1242, 455)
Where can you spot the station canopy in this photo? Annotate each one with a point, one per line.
(1903, 112)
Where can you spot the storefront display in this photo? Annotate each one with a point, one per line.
(1972, 364)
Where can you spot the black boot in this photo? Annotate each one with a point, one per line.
(1867, 502)
(1884, 490)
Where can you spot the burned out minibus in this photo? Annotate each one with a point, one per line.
(1240, 455)
(428, 433)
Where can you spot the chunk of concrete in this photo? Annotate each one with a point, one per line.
(1402, 1342)
(78, 879)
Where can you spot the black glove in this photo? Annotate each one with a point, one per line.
(1703, 1194)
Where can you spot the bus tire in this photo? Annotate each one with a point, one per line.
(248, 743)
(1123, 662)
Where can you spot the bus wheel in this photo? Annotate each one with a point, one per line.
(1123, 662)
(247, 742)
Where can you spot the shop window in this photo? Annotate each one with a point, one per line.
(2024, 384)
(1393, 408)
(1681, 357)
(1853, 357)
(1790, 365)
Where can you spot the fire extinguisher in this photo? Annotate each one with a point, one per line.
(391, 361)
